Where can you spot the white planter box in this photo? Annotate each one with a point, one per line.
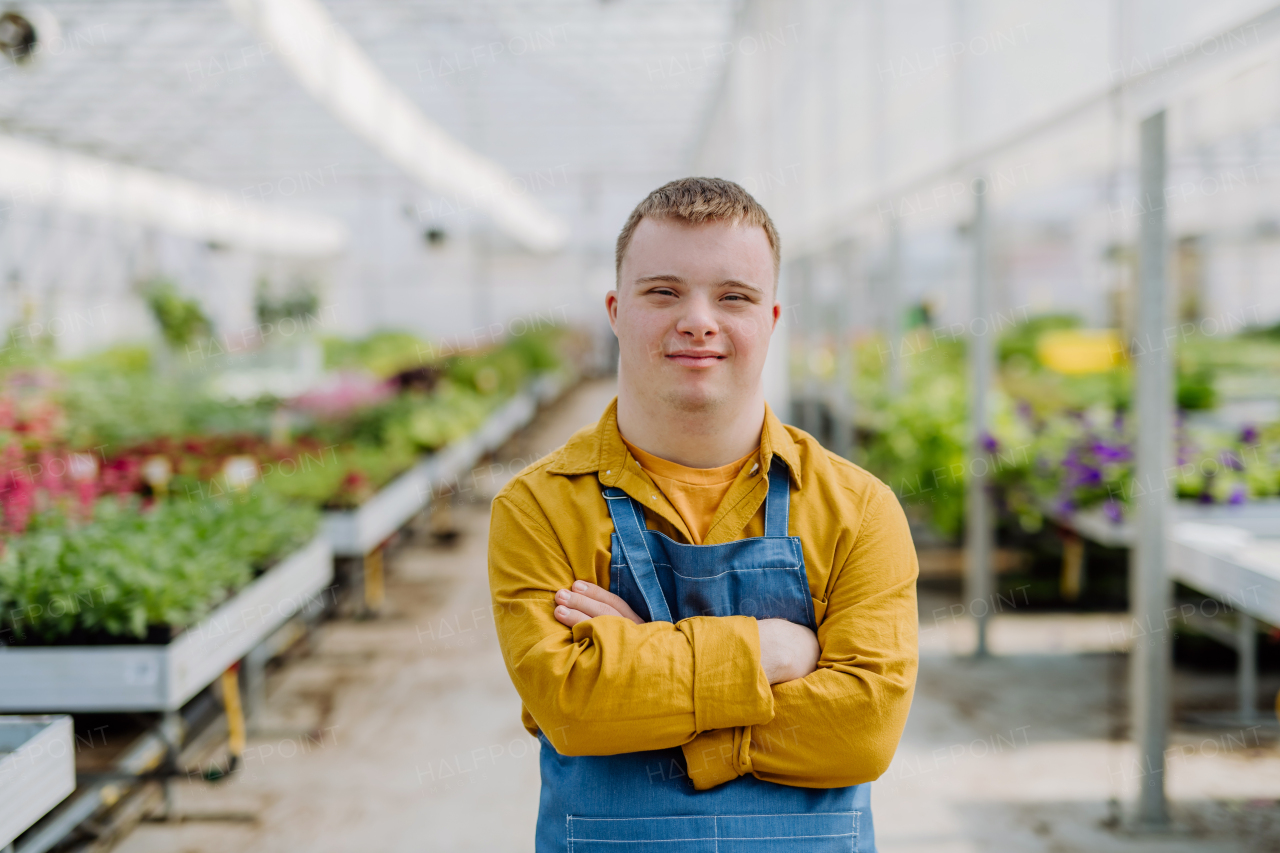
(550, 386)
(164, 678)
(356, 532)
(454, 461)
(37, 770)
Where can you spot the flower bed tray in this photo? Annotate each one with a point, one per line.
(165, 677)
(37, 770)
(357, 532)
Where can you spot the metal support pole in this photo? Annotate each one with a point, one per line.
(1152, 654)
(1247, 667)
(373, 583)
(1072, 567)
(893, 306)
(979, 514)
(173, 729)
(808, 409)
(842, 396)
(253, 681)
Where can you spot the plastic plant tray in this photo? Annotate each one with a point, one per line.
(165, 677)
(37, 770)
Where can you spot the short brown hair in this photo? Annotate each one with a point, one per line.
(698, 200)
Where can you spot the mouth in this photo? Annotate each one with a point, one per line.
(696, 358)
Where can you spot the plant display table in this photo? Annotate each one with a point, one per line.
(37, 770)
(1229, 553)
(130, 677)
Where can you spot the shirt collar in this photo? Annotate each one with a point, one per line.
(599, 449)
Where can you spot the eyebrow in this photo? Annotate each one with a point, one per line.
(729, 282)
(733, 282)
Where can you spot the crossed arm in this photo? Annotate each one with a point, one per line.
(738, 695)
(787, 651)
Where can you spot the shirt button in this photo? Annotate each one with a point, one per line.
(610, 471)
(755, 467)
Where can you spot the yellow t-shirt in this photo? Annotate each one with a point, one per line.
(695, 493)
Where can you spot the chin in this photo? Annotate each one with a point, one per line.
(694, 399)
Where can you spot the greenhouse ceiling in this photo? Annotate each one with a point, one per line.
(564, 96)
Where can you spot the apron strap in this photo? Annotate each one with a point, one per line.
(628, 523)
(777, 502)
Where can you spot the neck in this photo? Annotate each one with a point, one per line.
(700, 439)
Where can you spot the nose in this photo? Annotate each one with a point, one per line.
(698, 321)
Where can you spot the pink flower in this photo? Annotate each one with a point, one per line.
(342, 394)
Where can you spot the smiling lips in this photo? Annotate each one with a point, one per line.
(696, 357)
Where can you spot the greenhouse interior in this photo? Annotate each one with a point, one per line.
(321, 319)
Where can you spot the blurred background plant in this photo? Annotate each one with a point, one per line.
(181, 319)
(1061, 435)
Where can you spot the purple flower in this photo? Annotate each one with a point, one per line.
(1249, 435)
(1231, 460)
(1205, 497)
(1106, 453)
(1066, 506)
(989, 443)
(1238, 495)
(1087, 475)
(1113, 511)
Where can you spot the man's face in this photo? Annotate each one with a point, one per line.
(694, 310)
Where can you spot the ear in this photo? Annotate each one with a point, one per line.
(611, 306)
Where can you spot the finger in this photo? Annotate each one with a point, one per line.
(589, 606)
(599, 593)
(569, 616)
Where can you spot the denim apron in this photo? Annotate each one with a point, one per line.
(644, 802)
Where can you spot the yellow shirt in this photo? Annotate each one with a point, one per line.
(609, 686)
(695, 493)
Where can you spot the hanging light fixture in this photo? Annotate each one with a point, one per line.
(25, 31)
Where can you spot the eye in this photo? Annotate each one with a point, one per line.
(663, 291)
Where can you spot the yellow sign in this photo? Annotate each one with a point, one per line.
(1080, 350)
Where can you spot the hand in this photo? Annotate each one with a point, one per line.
(787, 651)
(587, 600)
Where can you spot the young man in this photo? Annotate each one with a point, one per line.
(710, 619)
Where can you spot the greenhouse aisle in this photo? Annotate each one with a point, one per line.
(403, 734)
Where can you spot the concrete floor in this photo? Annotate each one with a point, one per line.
(402, 733)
